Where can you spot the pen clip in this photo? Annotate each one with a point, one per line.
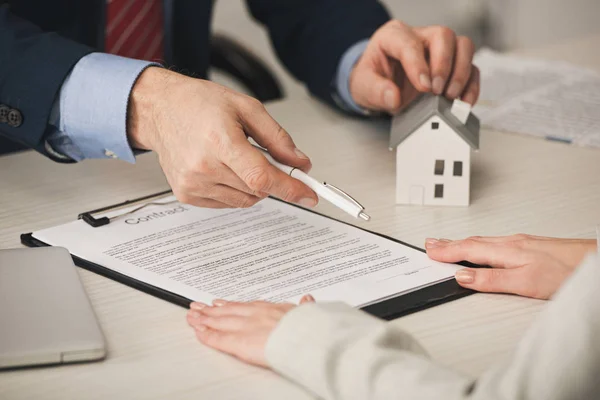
(340, 191)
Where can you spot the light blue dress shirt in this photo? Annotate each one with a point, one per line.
(89, 116)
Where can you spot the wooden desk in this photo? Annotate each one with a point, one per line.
(519, 185)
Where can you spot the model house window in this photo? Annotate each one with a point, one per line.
(439, 167)
(439, 191)
(435, 125)
(457, 168)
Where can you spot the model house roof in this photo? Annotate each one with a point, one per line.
(428, 105)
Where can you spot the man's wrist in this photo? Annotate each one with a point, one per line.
(344, 73)
(89, 118)
(146, 94)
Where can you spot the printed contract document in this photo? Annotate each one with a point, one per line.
(272, 251)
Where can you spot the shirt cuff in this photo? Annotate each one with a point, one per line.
(90, 114)
(342, 81)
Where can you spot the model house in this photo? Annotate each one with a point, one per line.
(433, 139)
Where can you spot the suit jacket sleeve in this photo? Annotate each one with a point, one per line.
(340, 353)
(33, 66)
(310, 36)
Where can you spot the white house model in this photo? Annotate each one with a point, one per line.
(433, 139)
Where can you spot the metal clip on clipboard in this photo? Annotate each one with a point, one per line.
(88, 217)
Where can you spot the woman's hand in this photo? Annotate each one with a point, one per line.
(531, 266)
(239, 329)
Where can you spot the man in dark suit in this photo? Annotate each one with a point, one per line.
(79, 79)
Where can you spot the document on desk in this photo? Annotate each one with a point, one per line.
(547, 99)
(271, 251)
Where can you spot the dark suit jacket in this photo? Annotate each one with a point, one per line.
(41, 40)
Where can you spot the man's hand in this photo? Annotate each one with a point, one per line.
(400, 61)
(239, 329)
(531, 266)
(198, 129)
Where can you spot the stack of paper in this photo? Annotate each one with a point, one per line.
(551, 100)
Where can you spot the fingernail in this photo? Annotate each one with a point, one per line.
(425, 81)
(307, 202)
(431, 243)
(453, 90)
(300, 154)
(388, 99)
(465, 276)
(438, 85)
(194, 314)
(468, 99)
(197, 306)
(219, 302)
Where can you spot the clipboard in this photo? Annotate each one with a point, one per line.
(387, 309)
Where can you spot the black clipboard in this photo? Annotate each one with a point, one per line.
(388, 309)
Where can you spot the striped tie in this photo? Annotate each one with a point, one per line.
(134, 28)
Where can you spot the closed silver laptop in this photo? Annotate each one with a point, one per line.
(45, 314)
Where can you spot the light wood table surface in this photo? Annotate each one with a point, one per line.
(519, 184)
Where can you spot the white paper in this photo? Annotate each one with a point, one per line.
(272, 251)
(551, 100)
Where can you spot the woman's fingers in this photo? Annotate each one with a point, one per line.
(538, 279)
(475, 251)
(307, 298)
(515, 280)
(224, 323)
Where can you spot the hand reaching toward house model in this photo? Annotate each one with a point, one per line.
(401, 61)
(532, 266)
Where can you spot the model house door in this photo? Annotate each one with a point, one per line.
(417, 194)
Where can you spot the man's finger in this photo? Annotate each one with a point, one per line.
(232, 197)
(259, 125)
(260, 176)
(223, 195)
(441, 43)
(515, 281)
(463, 62)
(228, 178)
(199, 201)
(471, 93)
(478, 252)
(401, 43)
(377, 92)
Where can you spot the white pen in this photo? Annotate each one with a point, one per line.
(332, 194)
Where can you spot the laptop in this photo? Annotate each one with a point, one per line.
(45, 314)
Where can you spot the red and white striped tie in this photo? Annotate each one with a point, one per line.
(134, 28)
